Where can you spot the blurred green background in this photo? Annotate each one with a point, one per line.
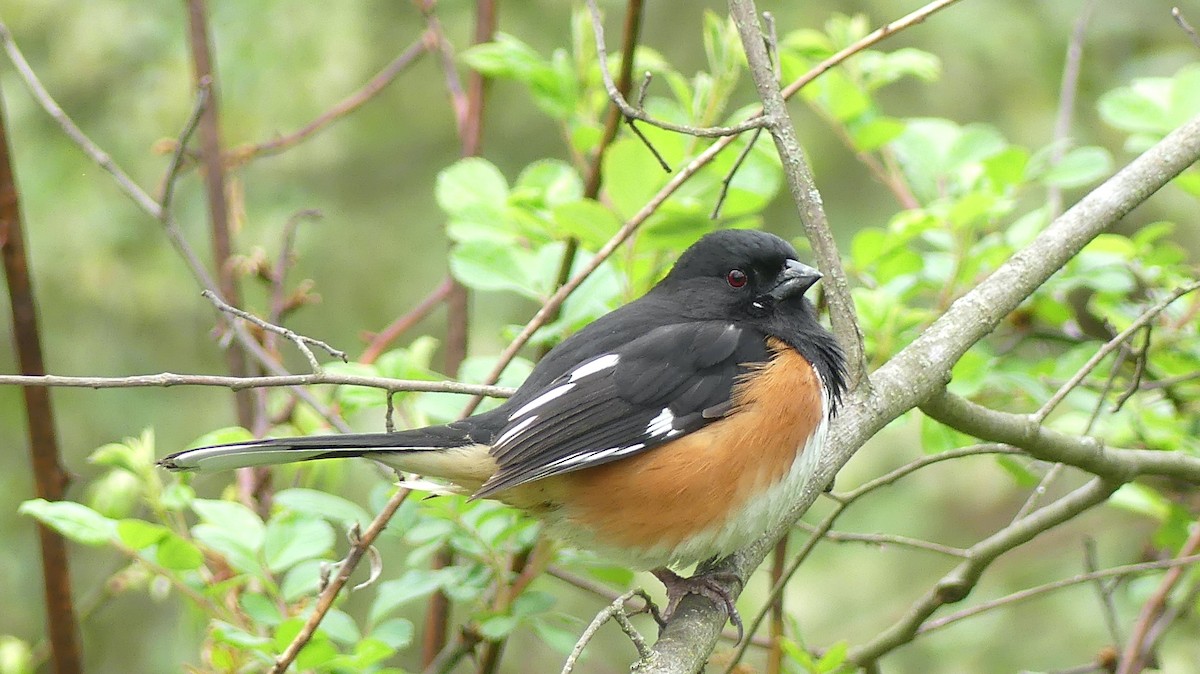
(115, 300)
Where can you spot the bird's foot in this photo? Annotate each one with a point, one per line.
(717, 586)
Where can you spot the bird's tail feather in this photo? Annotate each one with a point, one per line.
(267, 452)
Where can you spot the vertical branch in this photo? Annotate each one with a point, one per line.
(50, 479)
(779, 563)
(801, 185)
(1066, 100)
(437, 616)
(253, 482)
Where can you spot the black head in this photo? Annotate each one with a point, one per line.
(755, 278)
(741, 274)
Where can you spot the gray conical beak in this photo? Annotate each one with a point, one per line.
(795, 279)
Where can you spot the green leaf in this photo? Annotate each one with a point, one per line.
(871, 134)
(238, 522)
(587, 220)
(497, 627)
(395, 632)
(1079, 167)
(631, 176)
(505, 56)
(222, 436)
(322, 504)
(260, 609)
(139, 534)
(1133, 111)
(473, 189)
(414, 584)
(484, 265)
(532, 602)
(229, 545)
(226, 633)
(294, 537)
(340, 627)
(549, 183)
(73, 520)
(302, 580)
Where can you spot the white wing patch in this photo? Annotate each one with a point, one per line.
(663, 424)
(546, 397)
(593, 366)
(515, 430)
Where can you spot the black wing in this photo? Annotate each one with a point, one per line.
(669, 382)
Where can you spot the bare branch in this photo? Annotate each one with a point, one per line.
(1140, 643)
(168, 379)
(802, 186)
(244, 153)
(614, 611)
(404, 323)
(632, 113)
(922, 369)
(1110, 346)
(189, 127)
(956, 584)
(93, 151)
(1091, 576)
(1066, 100)
(330, 592)
(1187, 27)
(1085, 453)
(301, 341)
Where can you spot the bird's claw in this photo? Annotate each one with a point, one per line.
(717, 586)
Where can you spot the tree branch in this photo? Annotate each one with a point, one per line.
(956, 584)
(168, 379)
(1083, 452)
(922, 369)
(49, 477)
(802, 185)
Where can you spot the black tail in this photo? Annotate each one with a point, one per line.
(269, 451)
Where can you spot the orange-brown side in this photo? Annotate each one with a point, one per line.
(681, 488)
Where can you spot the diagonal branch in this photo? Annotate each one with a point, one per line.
(922, 369)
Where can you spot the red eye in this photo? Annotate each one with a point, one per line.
(736, 278)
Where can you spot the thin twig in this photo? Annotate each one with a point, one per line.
(330, 592)
(189, 127)
(1187, 27)
(168, 379)
(301, 341)
(632, 113)
(802, 186)
(1139, 646)
(614, 611)
(93, 151)
(822, 530)
(1103, 592)
(153, 209)
(728, 179)
(956, 584)
(1141, 358)
(1066, 101)
(1029, 593)
(1108, 348)
(244, 153)
(884, 540)
(279, 303)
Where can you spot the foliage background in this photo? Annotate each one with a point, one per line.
(114, 300)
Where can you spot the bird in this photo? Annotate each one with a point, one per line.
(673, 430)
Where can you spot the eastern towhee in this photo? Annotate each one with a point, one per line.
(674, 429)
